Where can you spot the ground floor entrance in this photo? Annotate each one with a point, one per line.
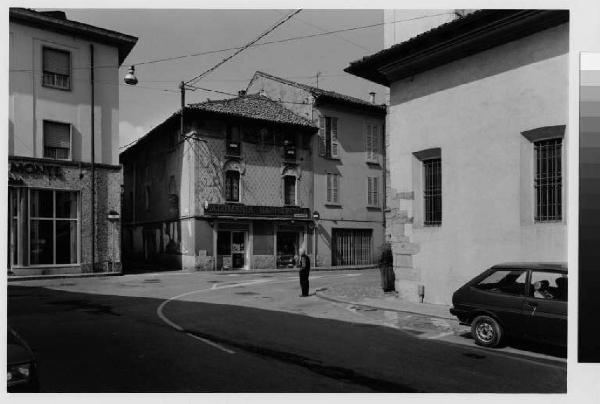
(352, 247)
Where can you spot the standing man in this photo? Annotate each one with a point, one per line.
(304, 265)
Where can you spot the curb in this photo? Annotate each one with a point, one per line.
(338, 300)
(17, 278)
(276, 271)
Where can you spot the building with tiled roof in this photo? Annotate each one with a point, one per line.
(234, 192)
(349, 167)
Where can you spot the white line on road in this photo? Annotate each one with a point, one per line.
(209, 342)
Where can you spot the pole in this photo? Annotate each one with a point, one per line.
(93, 140)
(182, 88)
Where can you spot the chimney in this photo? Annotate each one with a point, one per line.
(372, 94)
(242, 93)
(61, 15)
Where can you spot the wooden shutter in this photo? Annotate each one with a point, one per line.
(329, 187)
(375, 186)
(369, 190)
(335, 192)
(334, 138)
(374, 142)
(322, 137)
(369, 141)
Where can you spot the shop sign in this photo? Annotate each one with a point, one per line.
(34, 168)
(221, 209)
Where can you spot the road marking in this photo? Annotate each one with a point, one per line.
(209, 342)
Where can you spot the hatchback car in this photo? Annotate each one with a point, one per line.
(522, 300)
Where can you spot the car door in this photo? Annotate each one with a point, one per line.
(502, 294)
(546, 307)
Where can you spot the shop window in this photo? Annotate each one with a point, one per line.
(56, 68)
(232, 186)
(289, 187)
(57, 140)
(53, 227)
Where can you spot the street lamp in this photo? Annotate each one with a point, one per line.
(130, 77)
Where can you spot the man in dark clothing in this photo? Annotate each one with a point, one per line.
(304, 264)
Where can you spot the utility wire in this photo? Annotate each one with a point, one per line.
(240, 50)
(252, 46)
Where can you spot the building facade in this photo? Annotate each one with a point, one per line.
(51, 131)
(478, 134)
(349, 168)
(234, 192)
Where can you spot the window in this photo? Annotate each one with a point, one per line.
(289, 146)
(549, 286)
(233, 143)
(352, 247)
(53, 227)
(328, 137)
(548, 180)
(147, 197)
(333, 188)
(57, 140)
(372, 142)
(504, 281)
(432, 191)
(56, 67)
(373, 191)
(289, 189)
(224, 243)
(232, 186)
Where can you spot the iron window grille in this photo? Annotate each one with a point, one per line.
(548, 180)
(56, 68)
(232, 186)
(432, 191)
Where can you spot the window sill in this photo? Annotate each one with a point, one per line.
(331, 158)
(373, 163)
(233, 156)
(375, 208)
(333, 205)
(56, 87)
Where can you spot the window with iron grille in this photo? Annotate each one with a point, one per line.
(232, 186)
(432, 191)
(57, 140)
(56, 68)
(548, 180)
(352, 247)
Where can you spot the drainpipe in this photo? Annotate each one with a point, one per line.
(93, 139)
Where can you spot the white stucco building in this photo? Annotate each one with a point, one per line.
(59, 68)
(477, 126)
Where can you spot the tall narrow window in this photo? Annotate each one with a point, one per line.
(333, 188)
(232, 186)
(373, 191)
(372, 142)
(289, 146)
(56, 67)
(233, 141)
(432, 191)
(548, 180)
(289, 189)
(328, 137)
(57, 140)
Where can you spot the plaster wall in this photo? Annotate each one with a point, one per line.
(475, 109)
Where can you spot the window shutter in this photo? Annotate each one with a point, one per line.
(369, 190)
(329, 185)
(57, 135)
(375, 191)
(368, 141)
(56, 61)
(335, 188)
(375, 142)
(334, 138)
(322, 136)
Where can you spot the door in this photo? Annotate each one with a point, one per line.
(287, 248)
(238, 249)
(546, 306)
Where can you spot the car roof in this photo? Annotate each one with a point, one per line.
(546, 266)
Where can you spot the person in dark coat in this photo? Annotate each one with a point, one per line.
(304, 265)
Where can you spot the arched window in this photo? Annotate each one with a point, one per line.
(232, 186)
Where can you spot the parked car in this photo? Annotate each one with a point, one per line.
(523, 300)
(22, 366)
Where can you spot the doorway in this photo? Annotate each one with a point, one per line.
(232, 249)
(287, 248)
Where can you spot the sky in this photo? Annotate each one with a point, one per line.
(166, 33)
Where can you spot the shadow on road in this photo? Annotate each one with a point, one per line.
(105, 343)
(526, 345)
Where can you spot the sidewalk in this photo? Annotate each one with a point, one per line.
(370, 294)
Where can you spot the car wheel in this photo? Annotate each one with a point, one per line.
(486, 331)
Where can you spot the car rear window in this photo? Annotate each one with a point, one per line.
(508, 281)
(549, 286)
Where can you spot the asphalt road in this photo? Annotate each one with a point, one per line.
(206, 332)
